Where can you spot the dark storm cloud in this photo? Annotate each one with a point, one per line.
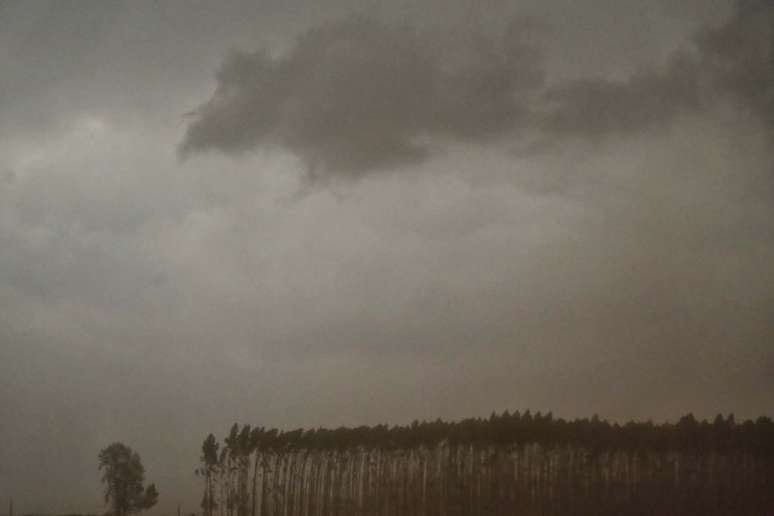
(733, 63)
(593, 109)
(739, 57)
(357, 95)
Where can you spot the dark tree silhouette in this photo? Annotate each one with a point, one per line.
(512, 463)
(123, 475)
(208, 470)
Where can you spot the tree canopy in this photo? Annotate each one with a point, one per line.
(124, 475)
(509, 463)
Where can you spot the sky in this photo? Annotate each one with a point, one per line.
(323, 213)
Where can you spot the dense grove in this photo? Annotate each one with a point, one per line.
(506, 464)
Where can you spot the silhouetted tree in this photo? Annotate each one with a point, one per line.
(208, 470)
(124, 474)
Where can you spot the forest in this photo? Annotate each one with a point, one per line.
(511, 463)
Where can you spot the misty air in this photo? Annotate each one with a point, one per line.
(386, 258)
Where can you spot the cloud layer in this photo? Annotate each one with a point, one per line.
(357, 95)
(564, 206)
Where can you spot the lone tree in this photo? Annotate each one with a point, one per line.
(124, 475)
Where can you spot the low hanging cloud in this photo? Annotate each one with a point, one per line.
(732, 63)
(594, 109)
(739, 57)
(357, 95)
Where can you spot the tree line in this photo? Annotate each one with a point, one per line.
(508, 463)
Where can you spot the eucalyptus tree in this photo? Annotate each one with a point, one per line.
(231, 447)
(208, 470)
(256, 438)
(511, 463)
(243, 449)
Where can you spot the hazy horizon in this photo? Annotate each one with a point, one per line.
(305, 214)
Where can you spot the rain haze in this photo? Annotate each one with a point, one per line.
(324, 213)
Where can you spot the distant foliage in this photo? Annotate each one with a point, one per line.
(506, 464)
(123, 475)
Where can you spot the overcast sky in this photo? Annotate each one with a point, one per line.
(293, 213)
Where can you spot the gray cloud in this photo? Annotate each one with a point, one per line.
(594, 109)
(739, 57)
(358, 95)
(731, 63)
